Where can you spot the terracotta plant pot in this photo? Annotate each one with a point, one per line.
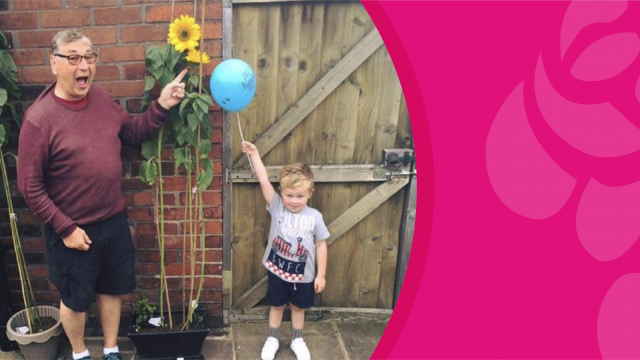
(43, 345)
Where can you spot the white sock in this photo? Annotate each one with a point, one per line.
(107, 351)
(77, 356)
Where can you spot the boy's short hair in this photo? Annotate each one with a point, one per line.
(68, 36)
(295, 175)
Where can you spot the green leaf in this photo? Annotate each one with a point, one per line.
(206, 174)
(183, 157)
(193, 80)
(149, 83)
(3, 97)
(184, 103)
(3, 40)
(202, 105)
(207, 99)
(150, 149)
(15, 114)
(193, 122)
(148, 172)
(3, 135)
(205, 148)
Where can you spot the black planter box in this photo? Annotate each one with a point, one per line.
(170, 344)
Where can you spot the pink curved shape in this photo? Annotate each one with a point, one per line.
(638, 89)
(607, 57)
(619, 319)
(595, 129)
(607, 219)
(582, 13)
(522, 174)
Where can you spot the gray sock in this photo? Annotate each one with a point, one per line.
(273, 332)
(297, 333)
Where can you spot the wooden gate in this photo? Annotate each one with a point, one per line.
(328, 95)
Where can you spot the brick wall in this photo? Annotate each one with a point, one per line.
(122, 30)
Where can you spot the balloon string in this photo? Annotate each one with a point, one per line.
(242, 137)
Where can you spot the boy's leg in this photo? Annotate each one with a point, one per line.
(275, 316)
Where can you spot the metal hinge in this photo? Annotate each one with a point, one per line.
(390, 175)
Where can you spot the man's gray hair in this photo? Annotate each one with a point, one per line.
(68, 36)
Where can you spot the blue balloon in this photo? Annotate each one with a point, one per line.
(233, 84)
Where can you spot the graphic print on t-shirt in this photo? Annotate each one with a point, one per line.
(288, 260)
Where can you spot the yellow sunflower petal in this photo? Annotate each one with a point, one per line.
(194, 57)
(184, 33)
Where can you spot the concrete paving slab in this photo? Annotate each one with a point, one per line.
(321, 339)
(218, 349)
(360, 340)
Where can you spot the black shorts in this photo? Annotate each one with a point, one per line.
(280, 292)
(106, 268)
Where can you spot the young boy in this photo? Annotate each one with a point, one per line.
(296, 244)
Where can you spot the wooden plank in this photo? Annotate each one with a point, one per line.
(390, 241)
(334, 197)
(370, 234)
(363, 208)
(406, 235)
(322, 173)
(318, 314)
(337, 228)
(310, 70)
(316, 94)
(227, 188)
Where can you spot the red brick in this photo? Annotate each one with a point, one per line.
(137, 214)
(147, 268)
(212, 295)
(213, 269)
(124, 88)
(24, 57)
(134, 71)
(208, 198)
(28, 217)
(170, 256)
(211, 256)
(213, 227)
(25, 5)
(122, 53)
(212, 283)
(132, 2)
(138, 34)
(162, 13)
(213, 48)
(118, 16)
(147, 241)
(213, 241)
(107, 72)
(35, 244)
(67, 18)
(90, 3)
(176, 269)
(213, 213)
(175, 183)
(101, 35)
(38, 271)
(174, 214)
(31, 39)
(143, 198)
(46, 297)
(213, 30)
(37, 75)
(18, 21)
(128, 199)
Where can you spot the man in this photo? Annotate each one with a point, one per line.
(70, 175)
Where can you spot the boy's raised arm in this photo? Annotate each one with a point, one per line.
(261, 172)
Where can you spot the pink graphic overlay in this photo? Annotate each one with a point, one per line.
(532, 117)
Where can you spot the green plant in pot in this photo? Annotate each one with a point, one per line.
(189, 135)
(35, 328)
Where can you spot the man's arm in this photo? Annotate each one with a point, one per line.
(32, 152)
(261, 172)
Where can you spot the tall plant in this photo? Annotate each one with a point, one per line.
(9, 88)
(190, 133)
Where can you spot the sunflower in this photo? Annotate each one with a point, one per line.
(194, 56)
(184, 33)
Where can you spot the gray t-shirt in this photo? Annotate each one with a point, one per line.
(291, 250)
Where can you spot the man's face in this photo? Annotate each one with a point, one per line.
(73, 81)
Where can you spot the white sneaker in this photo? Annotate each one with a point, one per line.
(270, 348)
(300, 349)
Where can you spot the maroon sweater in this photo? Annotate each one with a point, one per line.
(69, 168)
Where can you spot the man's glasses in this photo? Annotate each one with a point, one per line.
(76, 59)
